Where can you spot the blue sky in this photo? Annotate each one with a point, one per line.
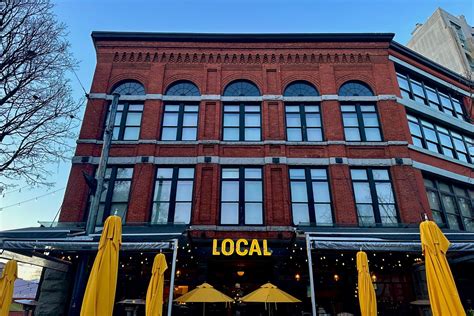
(244, 16)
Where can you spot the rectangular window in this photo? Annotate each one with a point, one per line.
(361, 123)
(173, 196)
(440, 140)
(127, 121)
(242, 122)
(452, 205)
(310, 197)
(114, 199)
(180, 122)
(427, 94)
(241, 196)
(303, 123)
(374, 197)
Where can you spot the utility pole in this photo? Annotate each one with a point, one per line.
(80, 277)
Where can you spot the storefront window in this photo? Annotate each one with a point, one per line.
(173, 197)
(452, 205)
(374, 197)
(114, 199)
(241, 196)
(310, 197)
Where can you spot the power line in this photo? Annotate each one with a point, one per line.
(29, 200)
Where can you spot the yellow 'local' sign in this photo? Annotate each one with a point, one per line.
(241, 247)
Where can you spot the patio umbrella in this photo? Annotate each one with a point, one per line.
(444, 297)
(269, 293)
(367, 299)
(100, 291)
(7, 280)
(204, 293)
(154, 294)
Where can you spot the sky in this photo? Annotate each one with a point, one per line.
(26, 207)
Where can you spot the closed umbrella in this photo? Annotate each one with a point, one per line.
(204, 293)
(367, 299)
(9, 275)
(444, 297)
(154, 294)
(269, 293)
(100, 291)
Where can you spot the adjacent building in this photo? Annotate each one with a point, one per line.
(446, 39)
(273, 158)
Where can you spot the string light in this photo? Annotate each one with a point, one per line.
(18, 204)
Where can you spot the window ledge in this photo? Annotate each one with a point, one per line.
(440, 156)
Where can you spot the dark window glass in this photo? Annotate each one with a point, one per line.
(300, 89)
(127, 121)
(180, 121)
(452, 205)
(173, 197)
(310, 197)
(427, 94)
(241, 88)
(183, 88)
(241, 196)
(355, 88)
(114, 199)
(129, 88)
(361, 123)
(441, 140)
(242, 122)
(374, 197)
(303, 122)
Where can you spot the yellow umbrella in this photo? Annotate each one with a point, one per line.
(444, 297)
(154, 294)
(7, 280)
(367, 299)
(269, 293)
(204, 293)
(100, 291)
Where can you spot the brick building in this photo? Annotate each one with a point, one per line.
(314, 145)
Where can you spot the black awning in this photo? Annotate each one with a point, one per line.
(40, 232)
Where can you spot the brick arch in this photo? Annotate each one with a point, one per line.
(356, 77)
(234, 77)
(301, 77)
(196, 80)
(127, 76)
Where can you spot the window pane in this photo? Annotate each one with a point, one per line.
(313, 120)
(252, 133)
(253, 191)
(321, 192)
(231, 108)
(300, 214)
(403, 82)
(170, 119)
(299, 192)
(373, 134)
(134, 119)
(231, 134)
(350, 119)
(184, 191)
(169, 133)
(253, 214)
(370, 119)
(314, 134)
(121, 190)
(366, 214)
(252, 108)
(124, 173)
(252, 120)
(231, 119)
(131, 133)
(384, 192)
(118, 118)
(449, 205)
(352, 134)
(119, 209)
(465, 206)
(293, 120)
(186, 173)
(323, 214)
(359, 174)
(380, 174)
(230, 173)
(191, 108)
(253, 173)
(318, 174)
(430, 135)
(311, 108)
(367, 108)
(190, 119)
(292, 108)
(294, 134)
(297, 174)
(229, 213)
(414, 129)
(388, 214)
(162, 190)
(362, 192)
(189, 133)
(347, 108)
(173, 108)
(160, 213)
(454, 221)
(182, 213)
(166, 173)
(230, 191)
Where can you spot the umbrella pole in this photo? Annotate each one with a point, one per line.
(203, 309)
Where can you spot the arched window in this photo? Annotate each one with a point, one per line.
(241, 88)
(183, 88)
(355, 89)
(300, 89)
(129, 87)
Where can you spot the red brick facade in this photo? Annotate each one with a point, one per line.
(271, 66)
